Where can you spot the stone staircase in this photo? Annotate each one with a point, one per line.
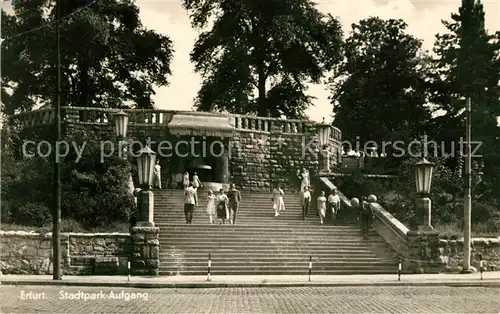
(260, 243)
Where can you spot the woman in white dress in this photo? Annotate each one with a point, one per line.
(157, 175)
(278, 203)
(322, 206)
(185, 179)
(211, 206)
(305, 179)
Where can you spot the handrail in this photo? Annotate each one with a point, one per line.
(389, 220)
(242, 123)
(332, 186)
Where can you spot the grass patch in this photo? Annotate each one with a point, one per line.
(452, 230)
(69, 225)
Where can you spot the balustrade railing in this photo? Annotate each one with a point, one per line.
(265, 125)
(104, 116)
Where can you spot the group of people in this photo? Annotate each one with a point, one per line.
(223, 207)
(328, 208)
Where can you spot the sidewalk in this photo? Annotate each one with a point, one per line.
(490, 279)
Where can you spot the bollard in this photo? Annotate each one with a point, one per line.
(481, 265)
(399, 271)
(209, 266)
(310, 266)
(128, 267)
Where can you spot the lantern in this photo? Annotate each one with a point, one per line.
(423, 176)
(324, 131)
(145, 166)
(121, 123)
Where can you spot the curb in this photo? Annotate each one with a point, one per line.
(145, 285)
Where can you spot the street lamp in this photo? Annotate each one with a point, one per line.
(324, 131)
(121, 123)
(145, 167)
(121, 126)
(423, 180)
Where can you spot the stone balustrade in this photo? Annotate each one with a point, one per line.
(425, 251)
(154, 117)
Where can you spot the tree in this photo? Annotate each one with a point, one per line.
(467, 64)
(107, 56)
(378, 92)
(258, 55)
(95, 192)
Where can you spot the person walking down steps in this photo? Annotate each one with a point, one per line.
(278, 202)
(190, 202)
(196, 181)
(322, 206)
(185, 179)
(211, 211)
(234, 197)
(306, 202)
(333, 205)
(157, 175)
(222, 207)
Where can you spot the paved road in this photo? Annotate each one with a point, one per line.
(21, 299)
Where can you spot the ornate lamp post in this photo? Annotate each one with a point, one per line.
(121, 124)
(145, 167)
(324, 131)
(423, 179)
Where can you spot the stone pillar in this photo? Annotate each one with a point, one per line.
(423, 255)
(325, 160)
(145, 208)
(145, 251)
(423, 206)
(225, 176)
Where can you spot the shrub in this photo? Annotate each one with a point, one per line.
(94, 193)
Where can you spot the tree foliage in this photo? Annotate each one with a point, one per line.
(94, 193)
(467, 64)
(107, 56)
(259, 55)
(378, 92)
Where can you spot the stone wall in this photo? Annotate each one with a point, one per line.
(92, 253)
(259, 160)
(451, 252)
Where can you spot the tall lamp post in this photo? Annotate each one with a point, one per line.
(324, 131)
(423, 179)
(145, 167)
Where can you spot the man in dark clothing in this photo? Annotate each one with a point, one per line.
(234, 200)
(366, 216)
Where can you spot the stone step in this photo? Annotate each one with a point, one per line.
(293, 227)
(274, 235)
(273, 260)
(283, 270)
(256, 245)
(263, 264)
(202, 253)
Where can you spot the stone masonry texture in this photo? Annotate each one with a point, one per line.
(31, 253)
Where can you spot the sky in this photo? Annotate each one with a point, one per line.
(422, 16)
(168, 17)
